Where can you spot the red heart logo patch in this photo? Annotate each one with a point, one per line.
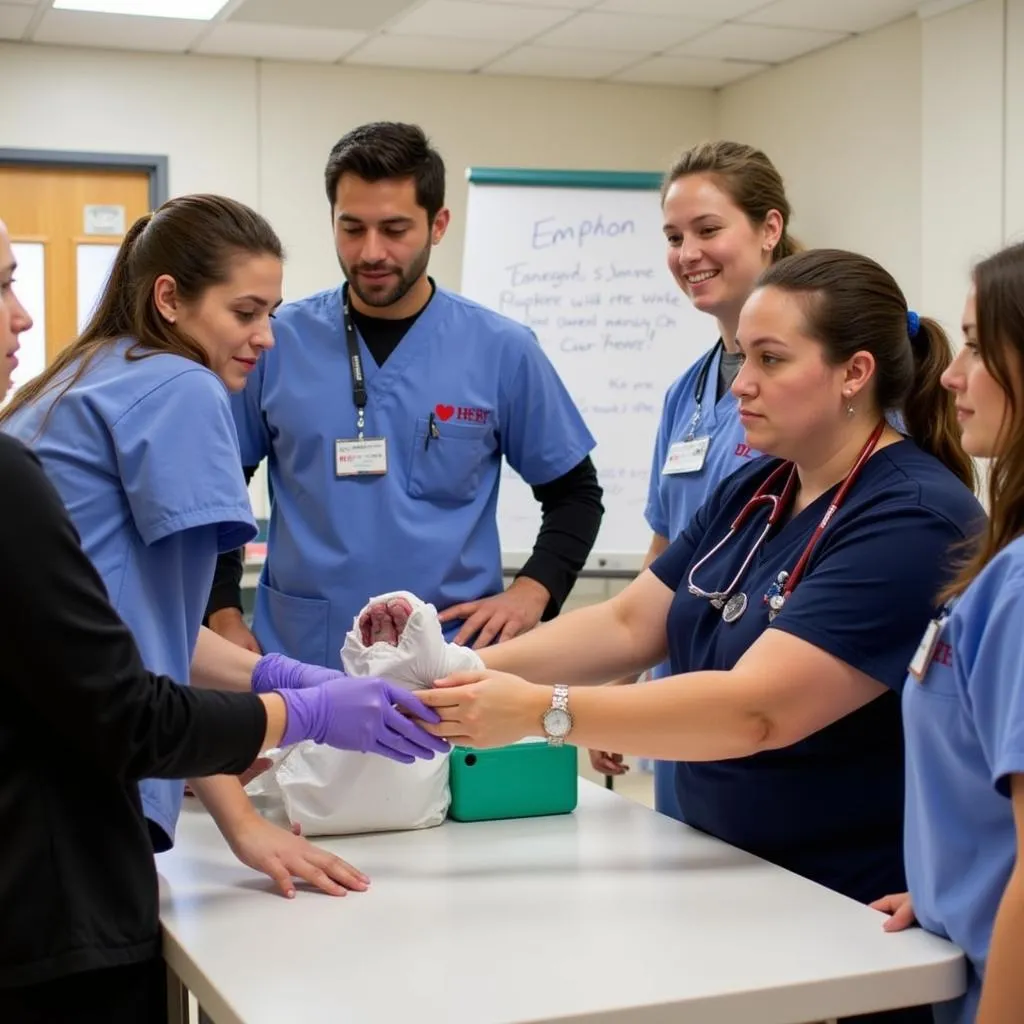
(444, 412)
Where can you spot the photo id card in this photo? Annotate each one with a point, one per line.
(686, 456)
(361, 457)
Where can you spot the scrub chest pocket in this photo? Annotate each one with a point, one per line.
(448, 459)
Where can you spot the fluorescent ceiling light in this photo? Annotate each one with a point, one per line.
(190, 10)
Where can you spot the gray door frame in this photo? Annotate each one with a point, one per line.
(154, 166)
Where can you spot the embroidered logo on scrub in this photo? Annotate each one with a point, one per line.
(461, 413)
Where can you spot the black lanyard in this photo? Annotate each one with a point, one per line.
(705, 370)
(355, 363)
(702, 383)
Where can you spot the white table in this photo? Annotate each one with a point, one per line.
(609, 915)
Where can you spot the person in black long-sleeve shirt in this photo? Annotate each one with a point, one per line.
(82, 721)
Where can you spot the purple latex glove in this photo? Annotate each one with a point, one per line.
(356, 713)
(276, 672)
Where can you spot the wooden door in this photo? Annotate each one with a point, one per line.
(65, 225)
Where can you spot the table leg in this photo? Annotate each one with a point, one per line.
(177, 999)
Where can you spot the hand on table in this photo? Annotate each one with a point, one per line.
(284, 856)
(900, 907)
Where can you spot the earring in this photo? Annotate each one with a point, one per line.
(849, 406)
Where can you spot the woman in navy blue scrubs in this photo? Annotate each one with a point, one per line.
(792, 604)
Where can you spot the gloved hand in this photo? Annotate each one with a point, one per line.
(276, 672)
(359, 714)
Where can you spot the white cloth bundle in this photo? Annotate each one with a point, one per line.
(340, 792)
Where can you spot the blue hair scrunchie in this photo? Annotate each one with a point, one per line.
(913, 323)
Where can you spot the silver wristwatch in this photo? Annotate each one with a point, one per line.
(556, 720)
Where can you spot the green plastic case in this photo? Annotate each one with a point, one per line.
(522, 780)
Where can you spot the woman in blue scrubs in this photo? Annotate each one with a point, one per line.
(792, 603)
(963, 702)
(725, 217)
(133, 426)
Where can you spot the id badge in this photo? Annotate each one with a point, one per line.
(925, 649)
(686, 456)
(365, 457)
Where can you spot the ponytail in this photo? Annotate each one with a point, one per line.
(929, 411)
(192, 239)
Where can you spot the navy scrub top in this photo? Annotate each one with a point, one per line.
(829, 807)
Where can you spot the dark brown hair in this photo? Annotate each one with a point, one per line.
(852, 304)
(999, 300)
(194, 239)
(747, 177)
(389, 150)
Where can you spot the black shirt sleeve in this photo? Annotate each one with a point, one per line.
(71, 671)
(571, 513)
(226, 591)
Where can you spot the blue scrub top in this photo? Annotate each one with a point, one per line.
(673, 498)
(829, 807)
(429, 524)
(145, 457)
(964, 724)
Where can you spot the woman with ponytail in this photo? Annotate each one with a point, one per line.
(133, 428)
(963, 702)
(789, 607)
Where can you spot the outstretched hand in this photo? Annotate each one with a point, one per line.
(486, 709)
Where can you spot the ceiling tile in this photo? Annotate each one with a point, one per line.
(456, 19)
(838, 15)
(700, 10)
(620, 32)
(18, 3)
(278, 42)
(14, 21)
(757, 43)
(351, 15)
(118, 31)
(692, 71)
(554, 62)
(431, 52)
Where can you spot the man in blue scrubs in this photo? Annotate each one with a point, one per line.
(384, 412)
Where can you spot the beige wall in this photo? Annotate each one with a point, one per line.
(843, 127)
(261, 131)
(906, 143)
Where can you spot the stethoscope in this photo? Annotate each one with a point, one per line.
(733, 605)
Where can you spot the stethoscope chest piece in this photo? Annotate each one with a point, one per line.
(776, 597)
(734, 607)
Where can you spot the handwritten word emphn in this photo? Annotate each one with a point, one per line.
(548, 233)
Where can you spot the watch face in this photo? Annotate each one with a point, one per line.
(557, 722)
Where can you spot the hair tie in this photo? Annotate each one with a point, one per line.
(913, 324)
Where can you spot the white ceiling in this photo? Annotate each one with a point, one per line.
(706, 43)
